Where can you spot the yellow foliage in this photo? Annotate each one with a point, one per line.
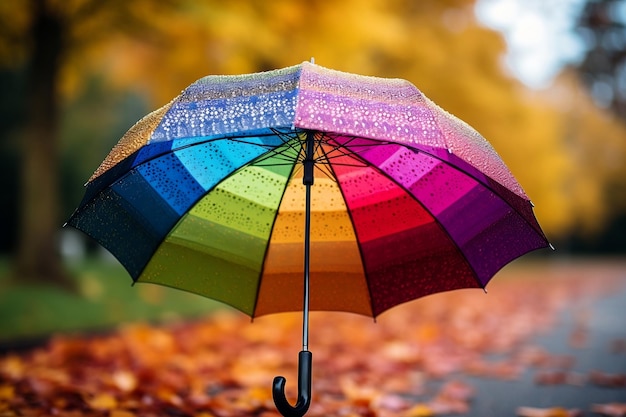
(594, 145)
(563, 150)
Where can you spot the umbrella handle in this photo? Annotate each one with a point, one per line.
(304, 388)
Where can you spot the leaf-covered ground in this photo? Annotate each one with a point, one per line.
(434, 356)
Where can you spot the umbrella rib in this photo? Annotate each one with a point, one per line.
(115, 179)
(323, 168)
(441, 226)
(487, 186)
(232, 173)
(453, 166)
(539, 231)
(280, 152)
(358, 243)
(341, 149)
(484, 184)
(269, 239)
(322, 163)
(337, 151)
(237, 139)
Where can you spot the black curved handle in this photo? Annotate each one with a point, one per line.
(305, 359)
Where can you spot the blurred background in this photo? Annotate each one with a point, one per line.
(544, 82)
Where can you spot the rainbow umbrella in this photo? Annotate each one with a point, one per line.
(357, 192)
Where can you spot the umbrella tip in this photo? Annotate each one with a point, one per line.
(551, 246)
(312, 60)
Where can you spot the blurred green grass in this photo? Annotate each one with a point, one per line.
(105, 298)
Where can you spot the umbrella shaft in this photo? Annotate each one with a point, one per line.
(309, 165)
(307, 248)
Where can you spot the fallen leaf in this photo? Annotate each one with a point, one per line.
(102, 402)
(12, 366)
(390, 402)
(7, 392)
(457, 390)
(121, 413)
(124, 380)
(444, 405)
(419, 410)
(547, 412)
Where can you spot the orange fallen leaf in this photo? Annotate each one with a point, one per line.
(7, 392)
(121, 413)
(12, 366)
(168, 396)
(419, 410)
(102, 402)
(358, 393)
(547, 412)
(260, 395)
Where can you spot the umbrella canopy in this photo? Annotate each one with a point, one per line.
(207, 194)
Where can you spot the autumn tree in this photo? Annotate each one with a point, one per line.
(44, 37)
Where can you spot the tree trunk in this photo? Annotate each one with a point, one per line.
(38, 258)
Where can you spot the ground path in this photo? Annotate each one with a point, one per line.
(550, 337)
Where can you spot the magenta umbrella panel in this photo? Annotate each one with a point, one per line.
(358, 192)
